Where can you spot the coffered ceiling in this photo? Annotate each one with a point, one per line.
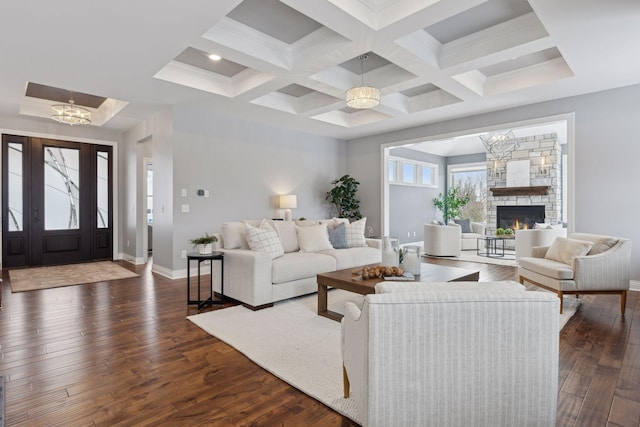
(289, 62)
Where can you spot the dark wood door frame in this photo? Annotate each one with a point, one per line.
(34, 245)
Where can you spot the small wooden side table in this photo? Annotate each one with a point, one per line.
(195, 256)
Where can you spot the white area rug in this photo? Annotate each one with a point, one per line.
(295, 344)
(471, 256)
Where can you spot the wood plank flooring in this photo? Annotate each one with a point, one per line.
(122, 353)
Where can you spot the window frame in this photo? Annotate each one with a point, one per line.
(397, 178)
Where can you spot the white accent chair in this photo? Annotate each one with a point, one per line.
(527, 239)
(470, 240)
(604, 270)
(450, 354)
(442, 240)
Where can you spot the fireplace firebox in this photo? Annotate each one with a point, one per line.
(519, 217)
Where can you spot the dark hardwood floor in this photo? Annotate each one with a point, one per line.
(122, 353)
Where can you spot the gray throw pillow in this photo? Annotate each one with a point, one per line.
(465, 225)
(338, 237)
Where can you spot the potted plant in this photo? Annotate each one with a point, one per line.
(451, 204)
(203, 243)
(343, 196)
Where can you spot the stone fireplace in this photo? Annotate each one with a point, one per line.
(544, 192)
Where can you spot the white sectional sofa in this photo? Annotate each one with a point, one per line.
(258, 279)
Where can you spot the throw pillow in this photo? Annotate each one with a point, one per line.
(234, 235)
(465, 225)
(565, 250)
(338, 237)
(542, 226)
(603, 245)
(288, 236)
(355, 233)
(313, 238)
(264, 239)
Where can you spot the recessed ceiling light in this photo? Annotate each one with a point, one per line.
(215, 57)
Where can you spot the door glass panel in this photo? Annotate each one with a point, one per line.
(61, 188)
(103, 189)
(15, 186)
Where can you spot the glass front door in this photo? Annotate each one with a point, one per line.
(57, 198)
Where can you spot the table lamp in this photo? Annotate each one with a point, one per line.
(288, 202)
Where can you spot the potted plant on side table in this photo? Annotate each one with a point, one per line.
(204, 243)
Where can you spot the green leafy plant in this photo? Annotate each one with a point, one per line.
(451, 203)
(203, 240)
(508, 231)
(343, 196)
(500, 232)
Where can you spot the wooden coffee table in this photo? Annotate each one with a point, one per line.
(342, 279)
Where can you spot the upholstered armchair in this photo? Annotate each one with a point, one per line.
(600, 267)
(469, 236)
(442, 240)
(450, 354)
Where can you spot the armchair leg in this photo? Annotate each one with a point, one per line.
(623, 301)
(345, 382)
(561, 300)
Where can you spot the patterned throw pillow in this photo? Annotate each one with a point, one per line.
(355, 233)
(338, 236)
(264, 239)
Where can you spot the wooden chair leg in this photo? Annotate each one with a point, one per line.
(561, 300)
(345, 382)
(623, 301)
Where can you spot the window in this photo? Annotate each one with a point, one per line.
(412, 172)
(471, 179)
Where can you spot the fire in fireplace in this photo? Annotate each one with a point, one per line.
(519, 217)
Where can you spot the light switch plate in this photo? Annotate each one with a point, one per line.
(206, 193)
(184, 192)
(185, 208)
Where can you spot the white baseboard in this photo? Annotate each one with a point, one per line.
(163, 271)
(635, 285)
(129, 258)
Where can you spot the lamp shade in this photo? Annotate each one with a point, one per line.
(289, 201)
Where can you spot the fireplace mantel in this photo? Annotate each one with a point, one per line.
(538, 190)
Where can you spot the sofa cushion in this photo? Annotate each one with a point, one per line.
(602, 245)
(313, 238)
(465, 224)
(338, 237)
(288, 236)
(300, 265)
(355, 233)
(354, 257)
(565, 250)
(554, 269)
(234, 234)
(264, 239)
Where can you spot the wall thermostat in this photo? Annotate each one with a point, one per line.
(200, 192)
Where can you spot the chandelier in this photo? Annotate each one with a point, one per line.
(363, 96)
(500, 144)
(70, 113)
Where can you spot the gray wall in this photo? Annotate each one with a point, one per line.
(410, 207)
(244, 165)
(606, 157)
